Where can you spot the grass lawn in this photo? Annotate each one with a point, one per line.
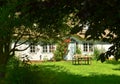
(65, 73)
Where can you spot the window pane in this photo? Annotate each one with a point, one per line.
(45, 48)
(48, 48)
(51, 48)
(32, 48)
(90, 47)
(85, 47)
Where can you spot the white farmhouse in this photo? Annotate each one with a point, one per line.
(40, 52)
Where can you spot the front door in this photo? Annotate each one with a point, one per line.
(71, 51)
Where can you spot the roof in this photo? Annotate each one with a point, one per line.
(78, 39)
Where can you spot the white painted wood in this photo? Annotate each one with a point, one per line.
(40, 56)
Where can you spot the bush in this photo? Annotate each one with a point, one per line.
(20, 73)
(57, 55)
(61, 51)
(78, 51)
(96, 53)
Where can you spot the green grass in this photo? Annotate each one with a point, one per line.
(65, 73)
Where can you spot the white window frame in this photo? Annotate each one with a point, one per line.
(48, 48)
(51, 48)
(32, 48)
(87, 47)
(44, 50)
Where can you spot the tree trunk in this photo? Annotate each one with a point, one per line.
(3, 64)
(2, 70)
(4, 57)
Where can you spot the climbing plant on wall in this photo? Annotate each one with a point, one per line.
(78, 50)
(61, 50)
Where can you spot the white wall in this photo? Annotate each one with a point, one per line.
(37, 56)
(103, 47)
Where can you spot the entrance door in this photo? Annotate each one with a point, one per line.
(71, 51)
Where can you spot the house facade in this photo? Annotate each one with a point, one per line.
(41, 52)
(37, 52)
(86, 47)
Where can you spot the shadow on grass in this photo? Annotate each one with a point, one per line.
(117, 69)
(51, 74)
(113, 62)
(59, 75)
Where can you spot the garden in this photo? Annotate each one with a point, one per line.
(63, 72)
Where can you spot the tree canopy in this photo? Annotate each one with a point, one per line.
(44, 19)
(28, 21)
(102, 15)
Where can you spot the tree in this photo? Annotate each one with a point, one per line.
(62, 49)
(34, 20)
(102, 18)
(28, 21)
(7, 23)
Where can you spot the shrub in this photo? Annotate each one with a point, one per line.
(96, 53)
(61, 51)
(78, 51)
(57, 55)
(20, 73)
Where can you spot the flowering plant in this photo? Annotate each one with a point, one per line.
(61, 50)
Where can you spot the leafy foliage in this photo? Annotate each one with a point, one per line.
(29, 21)
(61, 50)
(18, 72)
(51, 18)
(96, 53)
(102, 18)
(78, 50)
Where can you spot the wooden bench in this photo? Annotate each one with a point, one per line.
(78, 59)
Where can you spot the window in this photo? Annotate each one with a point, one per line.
(88, 47)
(51, 48)
(85, 47)
(48, 48)
(45, 48)
(32, 48)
